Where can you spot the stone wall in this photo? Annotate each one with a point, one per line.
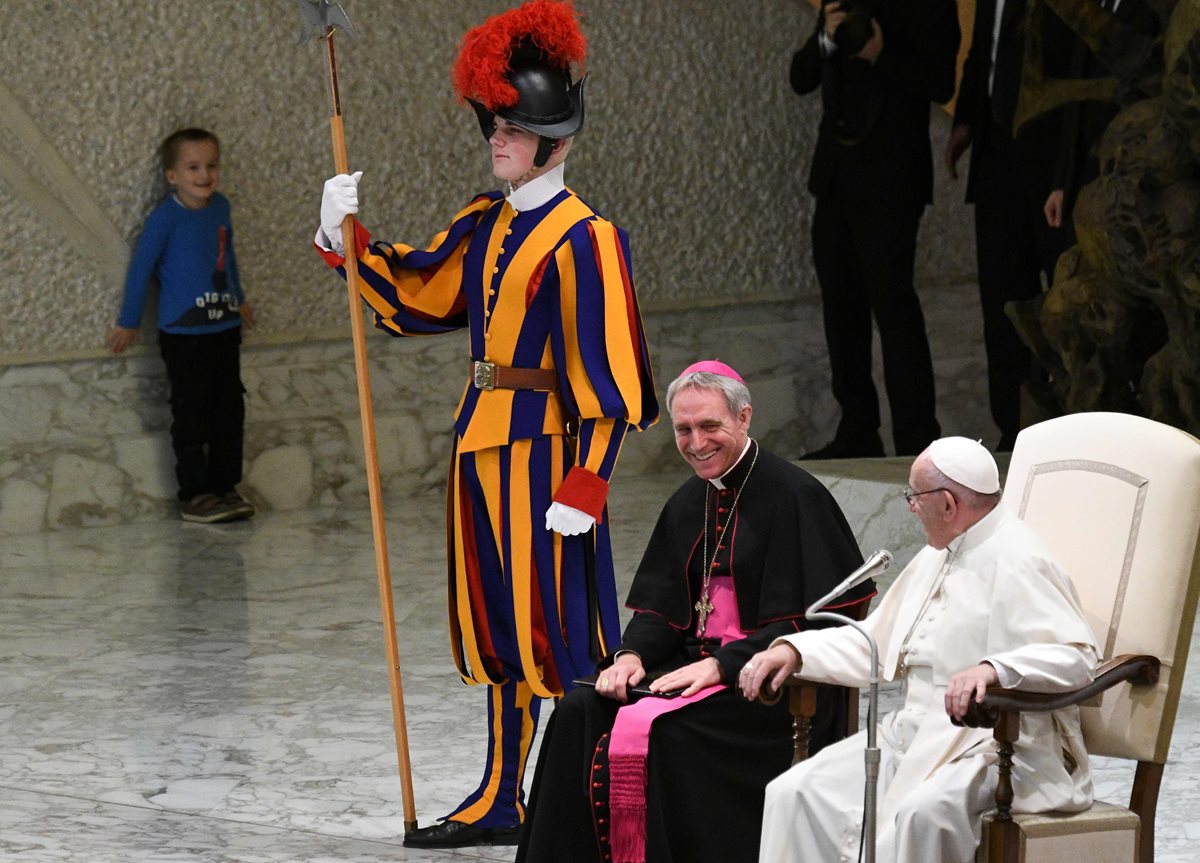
(694, 144)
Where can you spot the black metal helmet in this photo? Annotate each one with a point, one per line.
(517, 65)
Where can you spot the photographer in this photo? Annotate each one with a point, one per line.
(878, 65)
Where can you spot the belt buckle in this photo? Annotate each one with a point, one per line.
(484, 375)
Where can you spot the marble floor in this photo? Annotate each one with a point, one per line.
(174, 692)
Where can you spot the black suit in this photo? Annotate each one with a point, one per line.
(1010, 179)
(1085, 122)
(872, 175)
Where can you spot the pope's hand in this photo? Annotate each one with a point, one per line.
(768, 670)
(568, 520)
(969, 684)
(339, 200)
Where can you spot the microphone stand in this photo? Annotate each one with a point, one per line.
(871, 753)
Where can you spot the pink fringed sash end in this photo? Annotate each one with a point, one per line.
(628, 750)
(627, 807)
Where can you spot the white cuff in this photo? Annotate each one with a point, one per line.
(328, 243)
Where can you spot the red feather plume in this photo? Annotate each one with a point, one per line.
(483, 58)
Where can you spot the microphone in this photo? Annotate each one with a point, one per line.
(874, 565)
(878, 562)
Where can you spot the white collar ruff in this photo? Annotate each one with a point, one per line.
(537, 191)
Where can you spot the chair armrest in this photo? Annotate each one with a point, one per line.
(793, 681)
(1139, 670)
(802, 704)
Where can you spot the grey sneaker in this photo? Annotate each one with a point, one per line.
(238, 506)
(206, 509)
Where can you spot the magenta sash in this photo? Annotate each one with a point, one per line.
(629, 743)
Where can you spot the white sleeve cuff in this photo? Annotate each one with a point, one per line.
(1006, 675)
(329, 243)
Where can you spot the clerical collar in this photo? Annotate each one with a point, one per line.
(737, 473)
(537, 191)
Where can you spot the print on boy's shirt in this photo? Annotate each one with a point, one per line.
(218, 304)
(210, 308)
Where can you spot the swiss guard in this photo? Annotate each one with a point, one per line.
(558, 374)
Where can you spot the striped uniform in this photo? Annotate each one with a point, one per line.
(547, 288)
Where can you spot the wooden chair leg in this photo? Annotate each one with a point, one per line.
(1144, 801)
(1004, 836)
(802, 701)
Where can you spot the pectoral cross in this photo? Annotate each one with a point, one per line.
(704, 607)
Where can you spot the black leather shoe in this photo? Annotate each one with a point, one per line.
(457, 834)
(843, 448)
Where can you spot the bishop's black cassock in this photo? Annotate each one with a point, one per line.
(786, 544)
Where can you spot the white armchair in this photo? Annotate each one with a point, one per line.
(1117, 499)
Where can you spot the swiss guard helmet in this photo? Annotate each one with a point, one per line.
(517, 65)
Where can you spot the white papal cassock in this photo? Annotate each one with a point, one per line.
(994, 594)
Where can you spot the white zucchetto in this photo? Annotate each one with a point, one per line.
(966, 462)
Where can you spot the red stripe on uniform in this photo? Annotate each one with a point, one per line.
(476, 598)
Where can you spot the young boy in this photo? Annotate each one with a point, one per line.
(559, 374)
(187, 244)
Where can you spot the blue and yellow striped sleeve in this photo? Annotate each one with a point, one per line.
(586, 485)
(600, 350)
(598, 341)
(415, 291)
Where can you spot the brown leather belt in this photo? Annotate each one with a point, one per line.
(489, 376)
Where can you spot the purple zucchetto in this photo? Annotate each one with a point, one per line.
(713, 367)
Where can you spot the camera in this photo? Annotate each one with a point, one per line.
(855, 30)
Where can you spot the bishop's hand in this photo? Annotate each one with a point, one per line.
(690, 678)
(614, 682)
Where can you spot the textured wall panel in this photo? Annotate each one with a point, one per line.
(694, 144)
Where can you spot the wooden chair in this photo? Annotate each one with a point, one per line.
(802, 699)
(1117, 499)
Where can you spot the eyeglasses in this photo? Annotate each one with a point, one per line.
(909, 494)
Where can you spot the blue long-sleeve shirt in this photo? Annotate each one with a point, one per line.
(191, 253)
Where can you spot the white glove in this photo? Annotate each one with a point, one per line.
(568, 520)
(339, 200)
